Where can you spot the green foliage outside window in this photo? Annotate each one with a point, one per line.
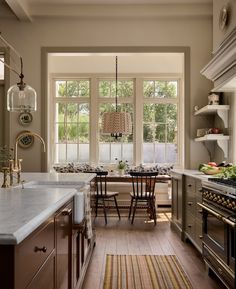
(160, 89)
(107, 88)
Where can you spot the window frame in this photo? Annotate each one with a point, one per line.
(138, 101)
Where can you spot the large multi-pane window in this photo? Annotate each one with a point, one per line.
(160, 121)
(71, 122)
(155, 106)
(109, 147)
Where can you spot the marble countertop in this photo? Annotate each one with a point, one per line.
(22, 210)
(192, 173)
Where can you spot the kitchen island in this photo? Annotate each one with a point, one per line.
(40, 246)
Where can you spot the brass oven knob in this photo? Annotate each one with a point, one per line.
(224, 203)
(219, 201)
(215, 199)
(229, 206)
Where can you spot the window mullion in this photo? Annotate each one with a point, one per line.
(138, 122)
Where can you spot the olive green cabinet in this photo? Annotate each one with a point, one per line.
(193, 213)
(177, 203)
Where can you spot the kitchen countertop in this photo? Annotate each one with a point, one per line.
(22, 210)
(192, 173)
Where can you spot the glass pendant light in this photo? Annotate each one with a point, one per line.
(20, 97)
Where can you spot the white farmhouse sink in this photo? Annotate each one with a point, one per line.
(79, 197)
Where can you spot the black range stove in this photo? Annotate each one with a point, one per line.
(219, 227)
(225, 186)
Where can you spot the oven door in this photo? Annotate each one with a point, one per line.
(215, 232)
(232, 241)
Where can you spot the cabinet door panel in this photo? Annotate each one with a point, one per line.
(45, 277)
(63, 224)
(32, 253)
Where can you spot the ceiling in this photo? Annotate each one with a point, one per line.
(27, 10)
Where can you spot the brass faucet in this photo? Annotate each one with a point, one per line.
(15, 164)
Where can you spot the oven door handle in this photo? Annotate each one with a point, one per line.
(230, 223)
(218, 216)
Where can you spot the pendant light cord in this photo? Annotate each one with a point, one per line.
(116, 81)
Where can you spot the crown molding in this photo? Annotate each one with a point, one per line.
(121, 11)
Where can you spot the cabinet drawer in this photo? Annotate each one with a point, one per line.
(198, 232)
(190, 185)
(190, 225)
(32, 253)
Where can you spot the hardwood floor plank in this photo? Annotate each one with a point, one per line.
(120, 237)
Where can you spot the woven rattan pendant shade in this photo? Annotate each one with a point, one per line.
(116, 123)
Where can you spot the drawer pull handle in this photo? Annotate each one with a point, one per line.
(190, 203)
(189, 185)
(200, 236)
(38, 249)
(66, 212)
(189, 226)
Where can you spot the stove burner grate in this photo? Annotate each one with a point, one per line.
(227, 182)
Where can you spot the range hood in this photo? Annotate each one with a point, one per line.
(222, 67)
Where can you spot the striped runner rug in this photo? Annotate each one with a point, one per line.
(144, 272)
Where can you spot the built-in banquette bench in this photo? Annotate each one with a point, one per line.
(163, 189)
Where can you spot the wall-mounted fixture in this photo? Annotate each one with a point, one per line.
(20, 97)
(116, 123)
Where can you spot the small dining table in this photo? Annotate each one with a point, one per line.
(112, 177)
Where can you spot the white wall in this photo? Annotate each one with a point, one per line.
(194, 32)
(105, 63)
(219, 35)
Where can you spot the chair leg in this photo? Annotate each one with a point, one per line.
(104, 209)
(118, 212)
(130, 208)
(96, 207)
(154, 211)
(136, 201)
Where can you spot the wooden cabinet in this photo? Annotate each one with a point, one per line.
(63, 228)
(82, 249)
(177, 203)
(193, 213)
(43, 259)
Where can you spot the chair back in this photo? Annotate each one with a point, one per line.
(101, 183)
(144, 184)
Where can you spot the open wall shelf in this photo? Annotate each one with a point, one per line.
(222, 141)
(220, 110)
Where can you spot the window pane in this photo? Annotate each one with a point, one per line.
(60, 135)
(104, 88)
(72, 152)
(171, 153)
(60, 88)
(128, 152)
(160, 133)
(60, 112)
(148, 153)
(72, 112)
(160, 89)
(72, 88)
(107, 88)
(115, 151)
(84, 152)
(104, 152)
(83, 132)
(84, 90)
(148, 88)
(60, 153)
(72, 133)
(160, 153)
(160, 130)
